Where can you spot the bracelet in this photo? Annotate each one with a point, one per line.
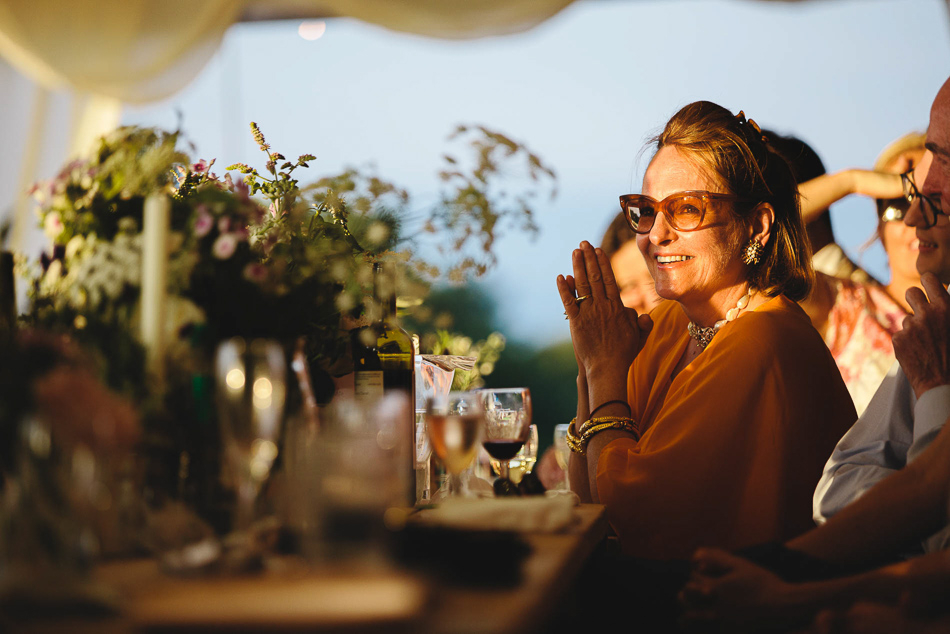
(606, 419)
(573, 440)
(628, 425)
(578, 443)
(624, 403)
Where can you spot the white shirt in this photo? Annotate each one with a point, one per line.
(894, 429)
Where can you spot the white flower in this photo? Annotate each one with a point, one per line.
(53, 225)
(54, 272)
(73, 246)
(224, 246)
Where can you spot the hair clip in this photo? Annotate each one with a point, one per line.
(755, 126)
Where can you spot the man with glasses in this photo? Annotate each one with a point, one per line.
(913, 402)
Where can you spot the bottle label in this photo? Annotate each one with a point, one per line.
(369, 384)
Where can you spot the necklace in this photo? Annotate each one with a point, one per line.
(704, 335)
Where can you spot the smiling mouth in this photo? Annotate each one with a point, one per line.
(922, 244)
(668, 259)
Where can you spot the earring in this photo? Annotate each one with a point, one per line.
(752, 255)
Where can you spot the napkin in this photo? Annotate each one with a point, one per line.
(523, 515)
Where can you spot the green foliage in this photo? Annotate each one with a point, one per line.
(474, 206)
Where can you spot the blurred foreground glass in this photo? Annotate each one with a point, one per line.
(56, 509)
(507, 425)
(563, 453)
(345, 480)
(250, 386)
(454, 424)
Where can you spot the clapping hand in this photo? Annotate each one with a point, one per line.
(607, 336)
(923, 345)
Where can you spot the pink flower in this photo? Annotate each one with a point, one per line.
(273, 209)
(224, 246)
(200, 166)
(255, 272)
(204, 222)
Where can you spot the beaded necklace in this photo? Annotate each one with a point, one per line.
(704, 335)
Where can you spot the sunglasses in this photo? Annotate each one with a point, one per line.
(892, 209)
(684, 211)
(929, 208)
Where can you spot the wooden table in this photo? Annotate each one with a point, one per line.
(293, 597)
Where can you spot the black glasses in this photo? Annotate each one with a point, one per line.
(929, 208)
(684, 210)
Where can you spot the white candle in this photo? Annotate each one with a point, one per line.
(155, 230)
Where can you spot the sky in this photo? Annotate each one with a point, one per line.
(584, 90)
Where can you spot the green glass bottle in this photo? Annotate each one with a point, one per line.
(384, 362)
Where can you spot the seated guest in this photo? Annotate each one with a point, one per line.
(707, 424)
(637, 290)
(899, 423)
(827, 255)
(891, 472)
(857, 318)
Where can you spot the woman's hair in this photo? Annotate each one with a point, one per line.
(618, 234)
(735, 153)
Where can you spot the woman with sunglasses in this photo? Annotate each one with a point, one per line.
(709, 420)
(857, 318)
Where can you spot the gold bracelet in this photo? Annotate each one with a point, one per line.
(573, 440)
(578, 443)
(627, 425)
(604, 419)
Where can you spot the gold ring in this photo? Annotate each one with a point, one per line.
(577, 300)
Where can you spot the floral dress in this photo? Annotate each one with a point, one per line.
(858, 333)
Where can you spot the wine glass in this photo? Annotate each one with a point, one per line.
(454, 423)
(562, 453)
(507, 424)
(250, 387)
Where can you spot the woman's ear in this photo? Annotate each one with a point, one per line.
(762, 218)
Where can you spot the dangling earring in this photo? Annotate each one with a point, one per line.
(752, 255)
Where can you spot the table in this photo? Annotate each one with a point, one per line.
(292, 597)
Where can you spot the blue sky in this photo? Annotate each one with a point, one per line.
(584, 90)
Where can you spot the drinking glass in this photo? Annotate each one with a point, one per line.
(454, 423)
(563, 453)
(250, 387)
(507, 424)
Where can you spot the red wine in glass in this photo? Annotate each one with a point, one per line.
(503, 449)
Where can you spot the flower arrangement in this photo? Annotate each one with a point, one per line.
(255, 256)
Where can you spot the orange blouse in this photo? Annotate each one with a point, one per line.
(732, 447)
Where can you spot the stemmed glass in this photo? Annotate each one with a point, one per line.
(250, 387)
(563, 454)
(507, 423)
(454, 423)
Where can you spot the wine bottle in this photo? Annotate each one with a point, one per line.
(7, 297)
(384, 363)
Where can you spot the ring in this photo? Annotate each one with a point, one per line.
(577, 300)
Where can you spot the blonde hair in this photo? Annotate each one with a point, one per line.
(734, 152)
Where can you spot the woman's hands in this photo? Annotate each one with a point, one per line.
(607, 336)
